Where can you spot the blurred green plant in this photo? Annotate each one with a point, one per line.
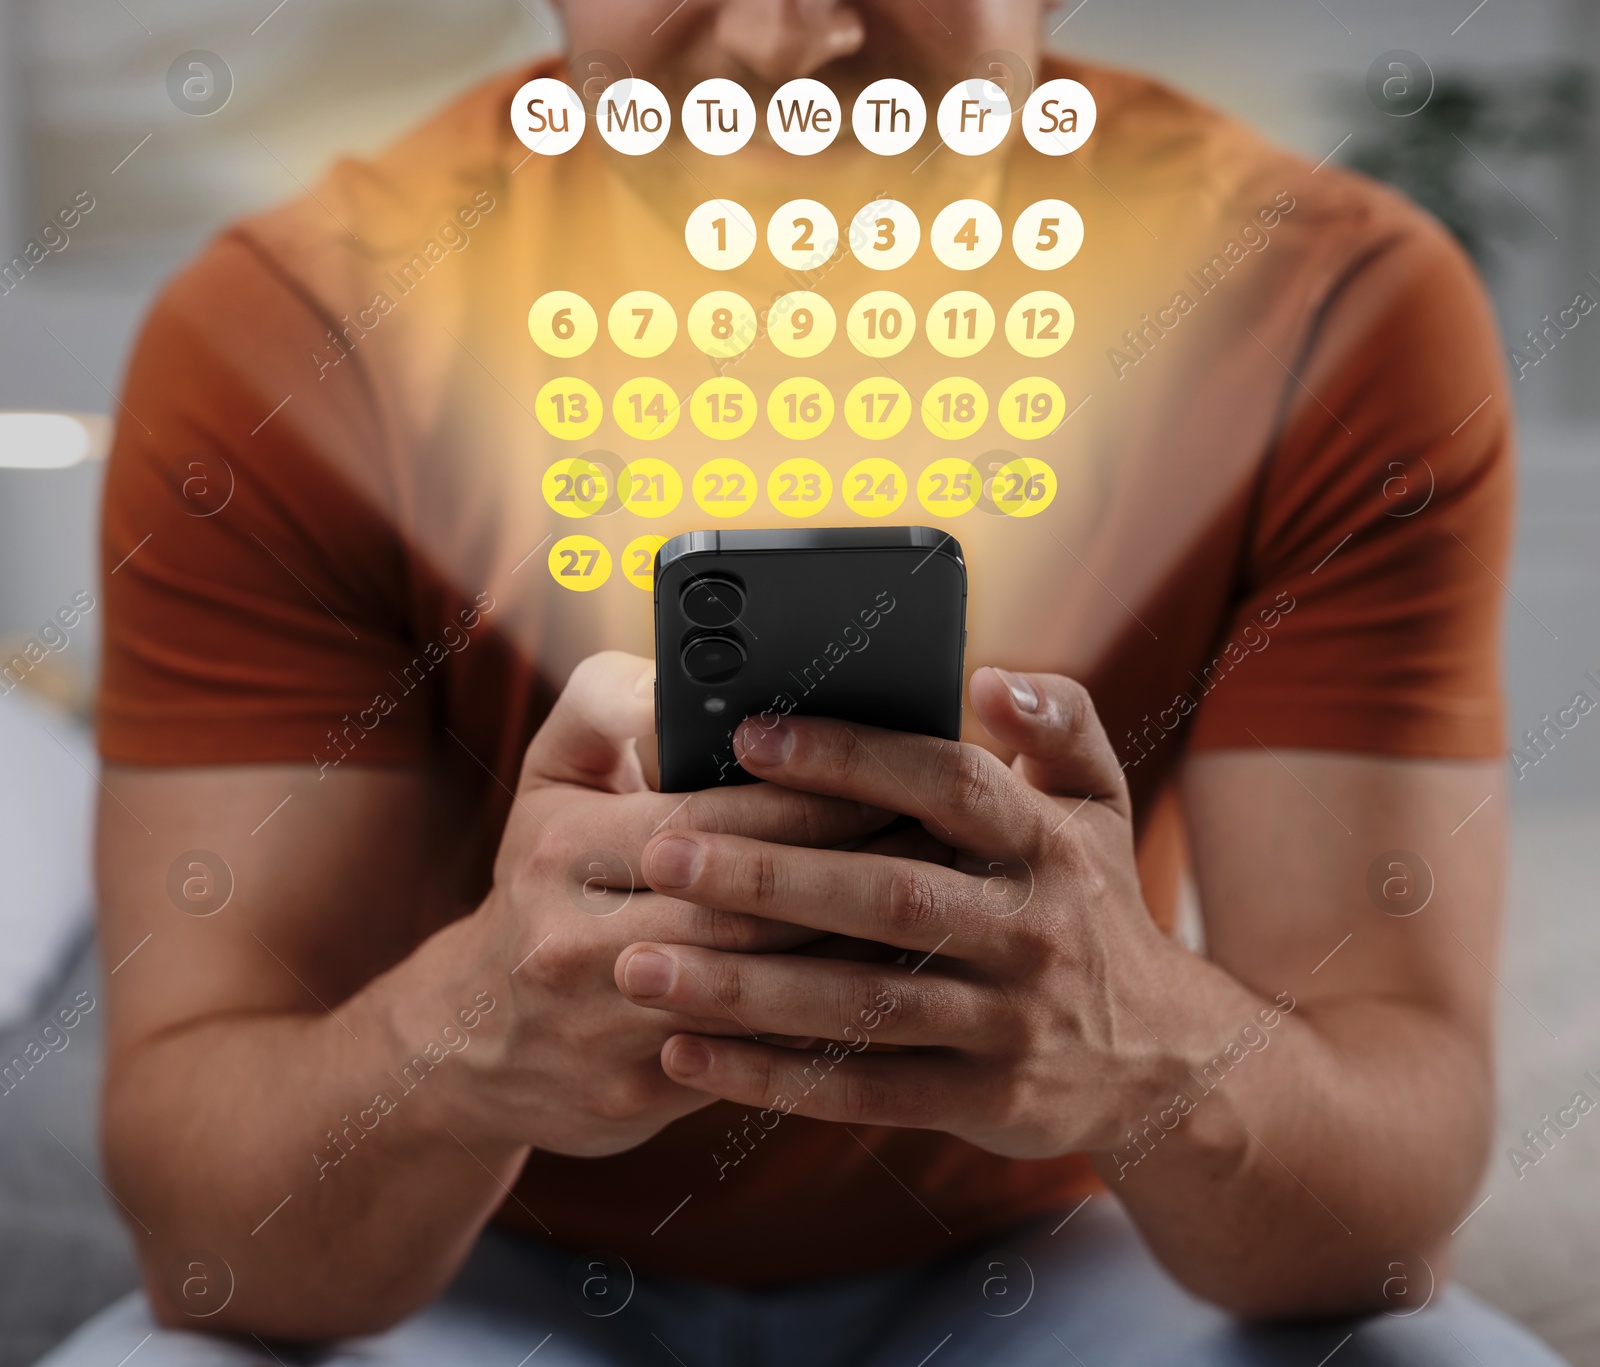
(1434, 155)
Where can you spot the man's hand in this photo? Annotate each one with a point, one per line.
(572, 1066)
(1027, 964)
(264, 1053)
(1036, 1008)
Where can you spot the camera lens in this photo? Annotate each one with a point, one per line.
(713, 659)
(712, 602)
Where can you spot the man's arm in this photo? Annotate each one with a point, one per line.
(242, 1043)
(1356, 1134)
(326, 1082)
(1280, 1122)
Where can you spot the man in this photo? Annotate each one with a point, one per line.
(753, 1075)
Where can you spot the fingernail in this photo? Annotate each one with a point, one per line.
(690, 1058)
(765, 744)
(675, 862)
(1021, 690)
(648, 974)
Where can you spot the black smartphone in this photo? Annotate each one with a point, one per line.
(862, 624)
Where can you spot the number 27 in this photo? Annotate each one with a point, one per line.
(569, 566)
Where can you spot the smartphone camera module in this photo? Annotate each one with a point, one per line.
(713, 659)
(712, 602)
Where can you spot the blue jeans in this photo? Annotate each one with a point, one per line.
(1083, 1293)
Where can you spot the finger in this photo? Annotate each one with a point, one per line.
(1051, 722)
(760, 811)
(859, 951)
(792, 994)
(588, 737)
(921, 1091)
(905, 902)
(624, 915)
(596, 843)
(909, 840)
(964, 795)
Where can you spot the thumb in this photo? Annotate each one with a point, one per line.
(587, 739)
(1050, 721)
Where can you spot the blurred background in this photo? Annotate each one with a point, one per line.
(1506, 151)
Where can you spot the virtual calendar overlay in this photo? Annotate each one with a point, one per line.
(804, 238)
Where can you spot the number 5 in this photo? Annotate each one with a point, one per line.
(1048, 236)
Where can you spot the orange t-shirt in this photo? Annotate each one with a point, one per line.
(1282, 475)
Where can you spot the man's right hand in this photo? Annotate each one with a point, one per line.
(566, 1063)
(257, 1050)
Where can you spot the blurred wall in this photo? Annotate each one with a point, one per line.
(310, 81)
(84, 108)
(14, 180)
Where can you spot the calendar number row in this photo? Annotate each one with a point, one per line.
(595, 485)
(801, 324)
(803, 235)
(875, 409)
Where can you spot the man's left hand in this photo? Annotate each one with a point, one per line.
(1031, 965)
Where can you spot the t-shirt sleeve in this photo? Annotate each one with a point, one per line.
(253, 582)
(1368, 609)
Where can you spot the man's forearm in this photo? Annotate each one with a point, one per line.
(1299, 1157)
(322, 1158)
